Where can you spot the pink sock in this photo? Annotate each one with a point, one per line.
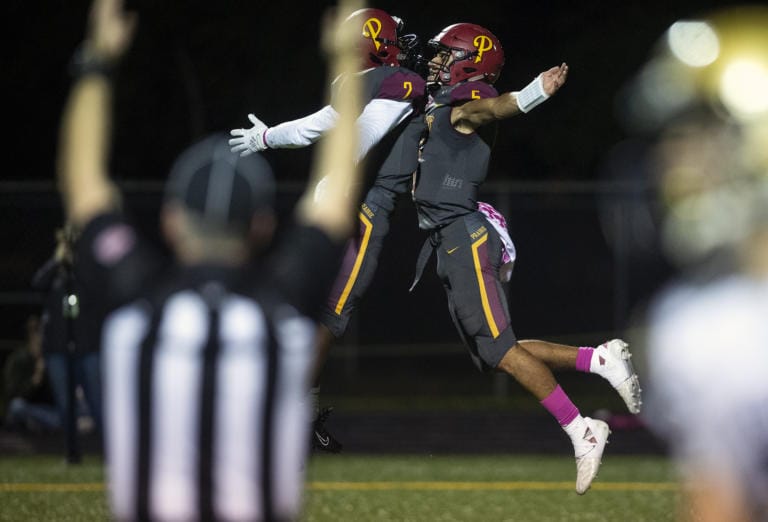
(560, 406)
(584, 358)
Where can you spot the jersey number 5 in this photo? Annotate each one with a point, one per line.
(408, 86)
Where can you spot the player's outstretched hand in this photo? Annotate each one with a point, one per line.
(554, 78)
(248, 141)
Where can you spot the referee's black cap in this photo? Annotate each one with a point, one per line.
(220, 186)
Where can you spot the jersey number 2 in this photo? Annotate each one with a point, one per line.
(408, 86)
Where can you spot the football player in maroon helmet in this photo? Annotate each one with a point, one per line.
(393, 110)
(466, 52)
(454, 164)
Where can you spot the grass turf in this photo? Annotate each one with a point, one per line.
(390, 488)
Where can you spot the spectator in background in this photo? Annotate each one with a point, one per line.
(27, 399)
(70, 332)
(707, 335)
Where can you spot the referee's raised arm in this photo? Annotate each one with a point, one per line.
(86, 125)
(206, 357)
(333, 208)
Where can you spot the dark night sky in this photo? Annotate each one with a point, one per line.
(198, 67)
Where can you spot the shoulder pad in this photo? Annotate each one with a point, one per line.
(399, 83)
(472, 91)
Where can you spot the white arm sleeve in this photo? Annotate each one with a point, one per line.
(378, 118)
(302, 132)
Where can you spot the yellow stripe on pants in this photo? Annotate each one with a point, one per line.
(481, 284)
(358, 261)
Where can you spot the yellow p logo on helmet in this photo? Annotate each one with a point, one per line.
(371, 29)
(483, 43)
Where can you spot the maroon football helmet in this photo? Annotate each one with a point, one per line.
(378, 36)
(470, 52)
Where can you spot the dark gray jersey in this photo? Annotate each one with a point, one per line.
(395, 158)
(453, 165)
(396, 170)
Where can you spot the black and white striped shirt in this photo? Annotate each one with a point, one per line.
(205, 374)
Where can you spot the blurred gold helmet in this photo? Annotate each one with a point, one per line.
(703, 97)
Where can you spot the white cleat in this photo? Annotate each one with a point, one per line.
(589, 453)
(613, 361)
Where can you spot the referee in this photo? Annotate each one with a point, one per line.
(206, 358)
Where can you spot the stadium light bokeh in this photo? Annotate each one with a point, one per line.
(720, 59)
(702, 99)
(744, 87)
(694, 43)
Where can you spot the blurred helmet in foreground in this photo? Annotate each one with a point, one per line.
(704, 98)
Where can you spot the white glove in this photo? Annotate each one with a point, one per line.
(248, 141)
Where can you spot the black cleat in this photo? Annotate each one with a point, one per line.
(321, 439)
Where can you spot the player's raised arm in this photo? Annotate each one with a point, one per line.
(334, 211)
(474, 114)
(85, 131)
(292, 134)
(392, 97)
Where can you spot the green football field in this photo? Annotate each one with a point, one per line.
(390, 488)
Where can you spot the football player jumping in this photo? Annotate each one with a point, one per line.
(390, 127)
(454, 163)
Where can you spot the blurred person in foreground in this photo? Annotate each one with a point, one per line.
(707, 336)
(206, 365)
(468, 242)
(389, 127)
